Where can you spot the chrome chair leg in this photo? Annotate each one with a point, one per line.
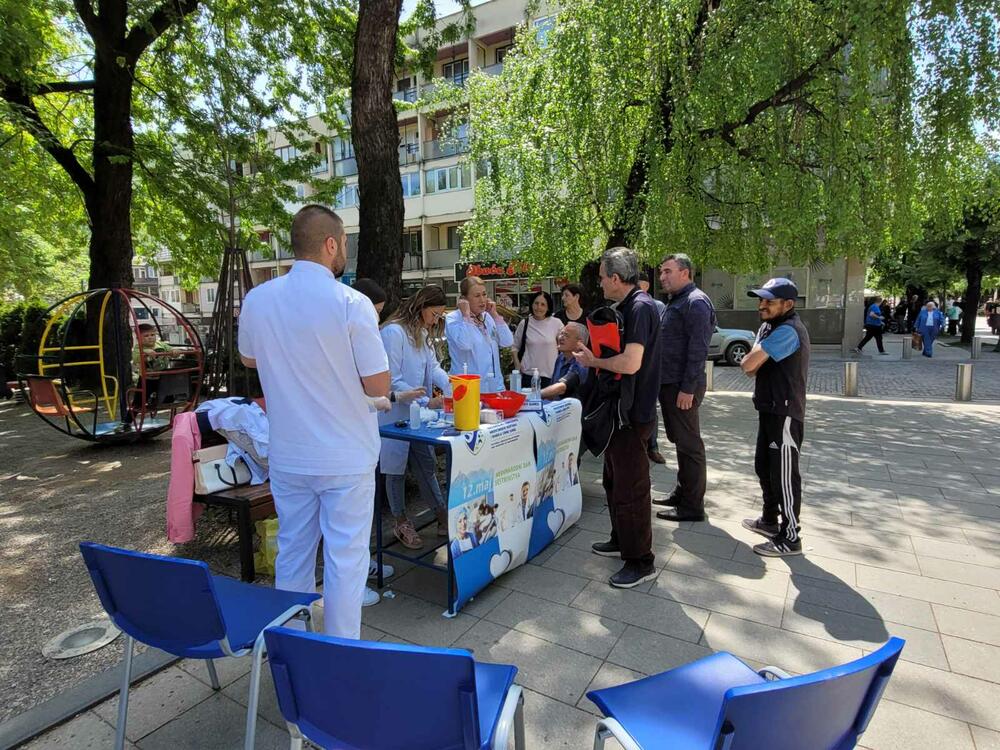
(258, 654)
(123, 694)
(519, 724)
(213, 675)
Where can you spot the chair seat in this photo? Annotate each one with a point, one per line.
(492, 683)
(247, 609)
(679, 708)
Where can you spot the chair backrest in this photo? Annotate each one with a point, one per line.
(174, 388)
(825, 710)
(374, 696)
(166, 602)
(43, 394)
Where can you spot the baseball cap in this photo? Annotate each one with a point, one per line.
(776, 289)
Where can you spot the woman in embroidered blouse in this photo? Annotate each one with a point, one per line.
(475, 333)
(535, 340)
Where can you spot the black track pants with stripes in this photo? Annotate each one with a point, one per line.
(777, 465)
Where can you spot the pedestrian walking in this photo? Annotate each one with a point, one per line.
(954, 314)
(315, 343)
(652, 446)
(779, 360)
(626, 465)
(874, 323)
(685, 333)
(930, 323)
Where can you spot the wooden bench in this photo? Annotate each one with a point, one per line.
(251, 503)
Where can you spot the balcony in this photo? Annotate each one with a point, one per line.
(406, 95)
(345, 167)
(444, 258)
(413, 262)
(493, 70)
(409, 153)
(188, 308)
(322, 168)
(442, 147)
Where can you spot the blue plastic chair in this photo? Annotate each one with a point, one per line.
(719, 703)
(178, 606)
(359, 695)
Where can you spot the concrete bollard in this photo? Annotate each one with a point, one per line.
(850, 378)
(908, 347)
(977, 346)
(963, 382)
(709, 375)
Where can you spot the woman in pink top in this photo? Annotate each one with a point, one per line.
(535, 340)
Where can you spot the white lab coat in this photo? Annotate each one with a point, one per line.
(409, 368)
(475, 353)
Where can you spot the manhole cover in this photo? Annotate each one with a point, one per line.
(81, 640)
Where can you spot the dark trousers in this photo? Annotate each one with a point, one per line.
(684, 431)
(952, 327)
(626, 483)
(872, 332)
(779, 439)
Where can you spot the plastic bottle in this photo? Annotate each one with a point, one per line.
(415, 415)
(515, 381)
(536, 389)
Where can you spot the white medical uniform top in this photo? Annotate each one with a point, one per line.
(409, 368)
(475, 352)
(314, 339)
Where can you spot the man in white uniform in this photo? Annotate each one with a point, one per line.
(315, 343)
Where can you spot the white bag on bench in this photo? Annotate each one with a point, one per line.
(212, 473)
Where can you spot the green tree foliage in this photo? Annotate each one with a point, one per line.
(729, 129)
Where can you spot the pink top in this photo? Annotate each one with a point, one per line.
(540, 349)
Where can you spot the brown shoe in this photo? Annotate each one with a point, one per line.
(656, 457)
(406, 534)
(442, 519)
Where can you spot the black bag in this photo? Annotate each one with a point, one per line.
(606, 396)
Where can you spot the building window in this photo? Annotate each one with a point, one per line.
(502, 52)
(456, 71)
(542, 28)
(347, 197)
(413, 254)
(286, 153)
(342, 149)
(140, 272)
(300, 191)
(454, 238)
(406, 89)
(411, 184)
(210, 294)
(447, 178)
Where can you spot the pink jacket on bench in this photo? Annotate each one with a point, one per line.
(182, 512)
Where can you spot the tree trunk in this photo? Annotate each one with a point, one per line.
(973, 290)
(375, 135)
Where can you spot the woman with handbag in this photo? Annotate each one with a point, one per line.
(414, 369)
(930, 323)
(535, 340)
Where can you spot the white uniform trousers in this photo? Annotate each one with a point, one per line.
(340, 509)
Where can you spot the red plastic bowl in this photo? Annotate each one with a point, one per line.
(507, 402)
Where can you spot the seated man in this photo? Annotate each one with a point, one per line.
(568, 374)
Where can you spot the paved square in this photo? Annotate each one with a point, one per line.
(901, 527)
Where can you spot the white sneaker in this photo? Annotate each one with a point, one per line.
(387, 570)
(371, 597)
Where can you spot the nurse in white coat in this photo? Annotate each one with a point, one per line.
(475, 332)
(414, 369)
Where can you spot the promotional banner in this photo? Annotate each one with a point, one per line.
(514, 488)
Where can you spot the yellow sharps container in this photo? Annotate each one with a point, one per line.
(465, 395)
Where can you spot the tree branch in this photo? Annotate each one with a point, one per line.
(783, 95)
(93, 25)
(146, 32)
(63, 87)
(15, 95)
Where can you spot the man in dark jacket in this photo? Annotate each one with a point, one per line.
(687, 326)
(626, 465)
(779, 360)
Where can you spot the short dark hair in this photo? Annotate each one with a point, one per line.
(371, 290)
(575, 289)
(683, 260)
(643, 276)
(310, 228)
(146, 328)
(548, 301)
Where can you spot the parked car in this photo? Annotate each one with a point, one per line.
(730, 344)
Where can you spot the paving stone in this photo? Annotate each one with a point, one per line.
(985, 739)
(898, 727)
(154, 702)
(947, 693)
(867, 603)
(808, 565)
(985, 538)
(960, 572)
(579, 562)
(267, 705)
(609, 675)
(416, 620)
(951, 506)
(958, 552)
(218, 723)
(544, 667)
(789, 651)
(544, 582)
(649, 652)
(742, 575)
(643, 610)
(929, 589)
(423, 583)
(597, 522)
(88, 731)
(974, 626)
(719, 597)
(980, 660)
(552, 724)
(923, 646)
(229, 669)
(927, 527)
(556, 623)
